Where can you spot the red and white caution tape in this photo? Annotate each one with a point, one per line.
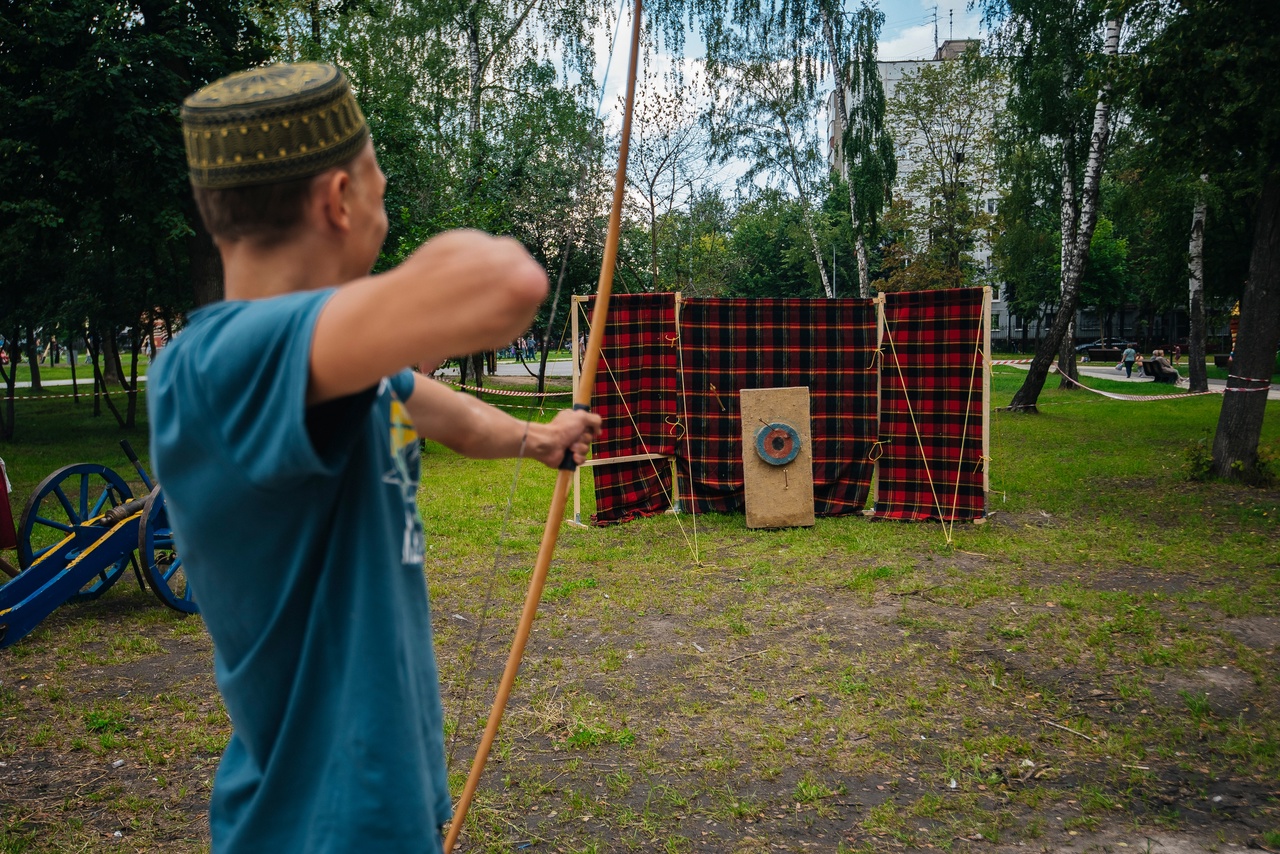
(89, 394)
(1115, 396)
(508, 392)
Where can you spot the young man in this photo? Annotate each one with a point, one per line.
(285, 430)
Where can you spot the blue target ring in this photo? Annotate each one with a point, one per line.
(777, 443)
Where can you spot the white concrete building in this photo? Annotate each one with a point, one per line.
(891, 74)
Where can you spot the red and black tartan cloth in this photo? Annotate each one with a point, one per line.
(931, 384)
(731, 344)
(636, 386)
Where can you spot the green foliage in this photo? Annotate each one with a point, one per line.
(1199, 460)
(944, 114)
(1106, 281)
(1198, 83)
(761, 113)
(514, 148)
(1026, 249)
(768, 244)
(583, 736)
(96, 217)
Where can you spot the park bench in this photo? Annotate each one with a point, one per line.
(1149, 370)
(1104, 354)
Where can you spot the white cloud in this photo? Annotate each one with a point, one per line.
(908, 31)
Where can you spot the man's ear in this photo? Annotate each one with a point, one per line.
(332, 196)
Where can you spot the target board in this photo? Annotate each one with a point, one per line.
(777, 457)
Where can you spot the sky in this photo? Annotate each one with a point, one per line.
(909, 27)
(908, 33)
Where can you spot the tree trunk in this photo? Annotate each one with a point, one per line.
(1067, 356)
(817, 256)
(91, 342)
(102, 384)
(71, 360)
(1080, 236)
(313, 11)
(1235, 445)
(10, 378)
(842, 118)
(1195, 284)
(1070, 217)
(864, 268)
(112, 370)
(131, 390)
(653, 244)
(797, 175)
(474, 80)
(33, 360)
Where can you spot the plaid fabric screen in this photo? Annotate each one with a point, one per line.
(731, 344)
(636, 386)
(931, 406)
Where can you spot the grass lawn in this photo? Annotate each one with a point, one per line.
(1093, 668)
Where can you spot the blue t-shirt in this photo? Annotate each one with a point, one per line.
(300, 535)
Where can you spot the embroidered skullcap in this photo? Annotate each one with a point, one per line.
(270, 125)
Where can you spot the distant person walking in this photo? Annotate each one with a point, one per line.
(1128, 358)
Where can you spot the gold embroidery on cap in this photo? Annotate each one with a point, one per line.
(278, 102)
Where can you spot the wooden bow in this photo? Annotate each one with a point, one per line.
(555, 515)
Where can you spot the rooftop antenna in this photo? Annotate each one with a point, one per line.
(935, 29)
(951, 23)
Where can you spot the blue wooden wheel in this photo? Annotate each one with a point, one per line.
(777, 443)
(161, 563)
(66, 502)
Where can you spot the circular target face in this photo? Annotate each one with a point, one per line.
(777, 443)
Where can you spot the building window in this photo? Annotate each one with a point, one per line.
(995, 322)
(991, 206)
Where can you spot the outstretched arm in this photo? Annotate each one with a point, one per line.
(460, 292)
(475, 429)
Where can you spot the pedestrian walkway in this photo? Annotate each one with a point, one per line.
(1104, 371)
(555, 368)
(85, 383)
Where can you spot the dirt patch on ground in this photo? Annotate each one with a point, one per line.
(756, 711)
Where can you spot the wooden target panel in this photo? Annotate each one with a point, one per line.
(777, 457)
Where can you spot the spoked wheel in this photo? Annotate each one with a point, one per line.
(63, 504)
(160, 561)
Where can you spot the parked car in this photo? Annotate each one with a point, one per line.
(1106, 343)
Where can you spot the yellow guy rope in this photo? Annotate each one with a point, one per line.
(916, 428)
(644, 449)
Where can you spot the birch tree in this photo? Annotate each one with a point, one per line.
(1058, 49)
(1195, 293)
(1201, 83)
(763, 113)
(865, 147)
